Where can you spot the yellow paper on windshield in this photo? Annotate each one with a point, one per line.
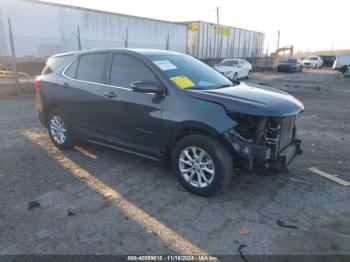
(182, 81)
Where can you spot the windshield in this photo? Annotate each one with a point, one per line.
(291, 61)
(312, 58)
(187, 72)
(228, 63)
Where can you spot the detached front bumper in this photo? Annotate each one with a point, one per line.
(262, 155)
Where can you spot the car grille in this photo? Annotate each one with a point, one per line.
(286, 132)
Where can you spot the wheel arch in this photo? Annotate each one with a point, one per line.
(188, 128)
(48, 108)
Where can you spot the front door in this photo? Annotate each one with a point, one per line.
(133, 117)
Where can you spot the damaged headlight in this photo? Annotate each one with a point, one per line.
(247, 148)
(240, 144)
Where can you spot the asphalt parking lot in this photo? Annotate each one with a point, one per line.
(95, 200)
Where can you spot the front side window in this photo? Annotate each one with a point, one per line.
(187, 72)
(92, 68)
(127, 69)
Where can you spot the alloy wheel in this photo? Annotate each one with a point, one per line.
(196, 167)
(58, 129)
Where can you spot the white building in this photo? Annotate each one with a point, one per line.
(41, 29)
(208, 40)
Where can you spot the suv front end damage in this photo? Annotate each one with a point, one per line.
(265, 142)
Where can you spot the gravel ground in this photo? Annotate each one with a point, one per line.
(95, 200)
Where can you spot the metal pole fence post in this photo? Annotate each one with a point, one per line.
(78, 36)
(126, 38)
(14, 61)
(167, 42)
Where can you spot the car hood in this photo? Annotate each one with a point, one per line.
(224, 69)
(252, 100)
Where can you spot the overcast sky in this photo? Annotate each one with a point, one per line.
(306, 24)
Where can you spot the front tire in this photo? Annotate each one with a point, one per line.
(249, 75)
(235, 77)
(59, 130)
(202, 164)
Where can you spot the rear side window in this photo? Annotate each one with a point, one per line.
(92, 68)
(127, 69)
(53, 63)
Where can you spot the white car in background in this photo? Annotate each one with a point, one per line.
(234, 69)
(313, 61)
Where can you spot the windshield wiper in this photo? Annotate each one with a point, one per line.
(194, 88)
(223, 86)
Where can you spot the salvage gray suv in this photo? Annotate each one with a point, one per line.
(168, 107)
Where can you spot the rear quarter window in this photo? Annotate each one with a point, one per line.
(71, 72)
(53, 63)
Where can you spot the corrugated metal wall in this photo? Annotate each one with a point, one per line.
(41, 30)
(207, 40)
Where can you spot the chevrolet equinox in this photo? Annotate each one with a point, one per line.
(169, 107)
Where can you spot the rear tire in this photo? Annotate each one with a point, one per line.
(60, 130)
(190, 167)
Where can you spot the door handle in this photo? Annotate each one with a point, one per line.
(110, 94)
(65, 85)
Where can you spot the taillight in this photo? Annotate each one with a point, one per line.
(37, 83)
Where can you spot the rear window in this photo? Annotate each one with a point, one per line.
(293, 61)
(53, 63)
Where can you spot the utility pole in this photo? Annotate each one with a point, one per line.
(278, 46)
(78, 37)
(217, 30)
(14, 61)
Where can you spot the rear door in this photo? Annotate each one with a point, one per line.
(133, 117)
(83, 84)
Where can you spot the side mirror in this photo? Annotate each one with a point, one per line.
(147, 86)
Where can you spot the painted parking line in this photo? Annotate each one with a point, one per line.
(149, 223)
(328, 176)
